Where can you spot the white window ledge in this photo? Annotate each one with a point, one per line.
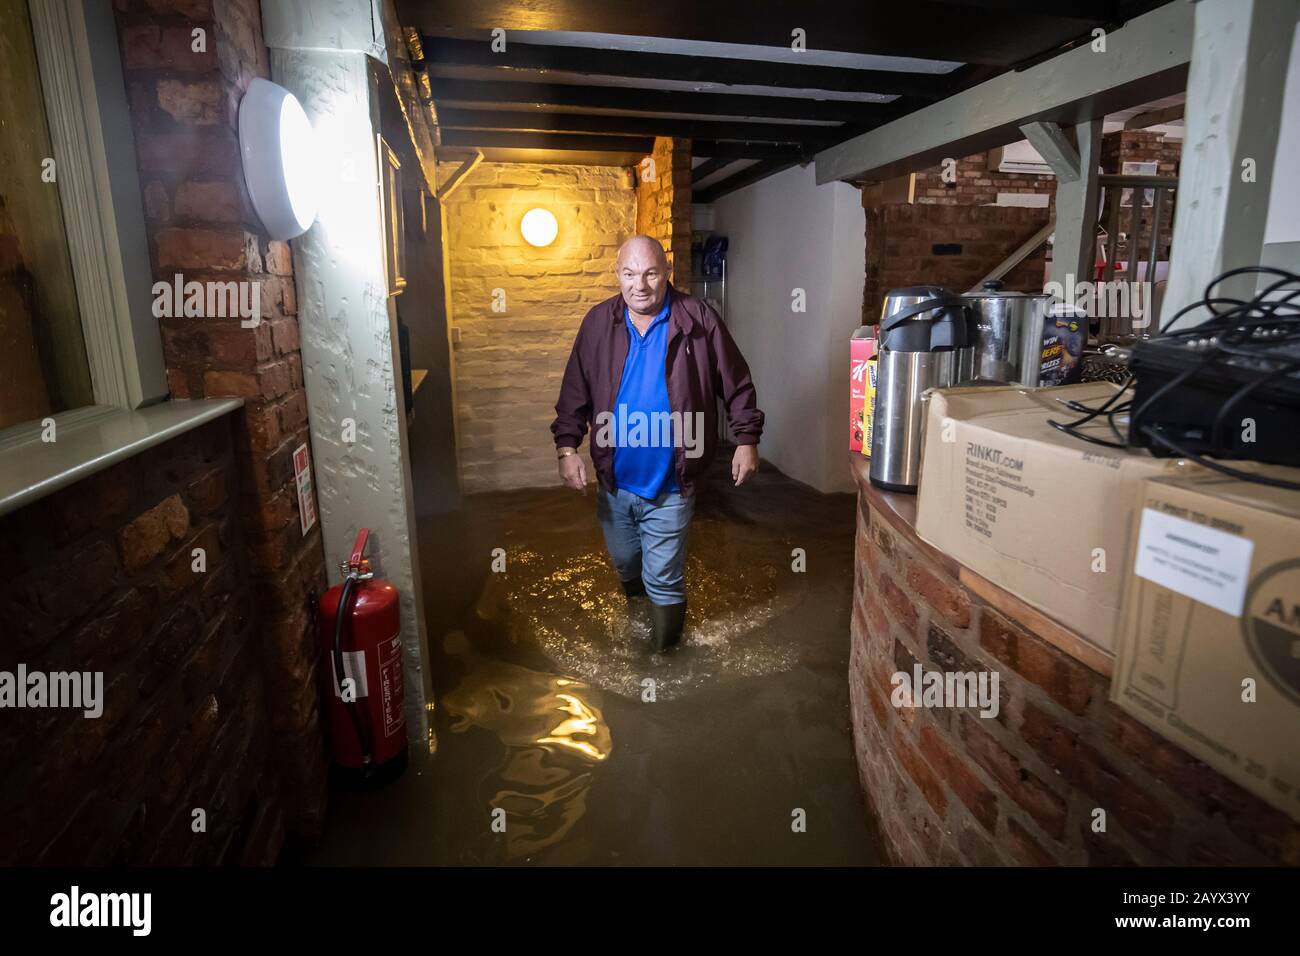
(89, 440)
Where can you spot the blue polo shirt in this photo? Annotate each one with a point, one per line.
(644, 459)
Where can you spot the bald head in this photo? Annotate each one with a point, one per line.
(642, 247)
(642, 270)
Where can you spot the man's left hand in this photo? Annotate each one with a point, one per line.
(744, 463)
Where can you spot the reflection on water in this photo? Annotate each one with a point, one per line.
(554, 735)
(538, 670)
(585, 625)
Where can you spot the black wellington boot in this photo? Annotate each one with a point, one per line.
(666, 621)
(634, 588)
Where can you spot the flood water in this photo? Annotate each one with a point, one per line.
(552, 716)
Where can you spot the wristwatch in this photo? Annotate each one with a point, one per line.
(566, 452)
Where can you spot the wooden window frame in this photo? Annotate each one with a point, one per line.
(99, 191)
(393, 215)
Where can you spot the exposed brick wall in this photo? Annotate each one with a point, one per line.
(509, 363)
(901, 241)
(663, 204)
(901, 236)
(106, 581)
(978, 183)
(200, 223)
(952, 787)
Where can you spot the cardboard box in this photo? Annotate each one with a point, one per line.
(862, 389)
(1045, 515)
(1214, 600)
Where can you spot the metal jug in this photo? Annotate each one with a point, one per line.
(924, 340)
(1007, 330)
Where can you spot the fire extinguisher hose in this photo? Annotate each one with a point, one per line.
(354, 708)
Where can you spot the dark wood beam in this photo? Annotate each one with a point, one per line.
(517, 56)
(703, 147)
(709, 167)
(999, 32)
(527, 139)
(514, 139)
(664, 101)
(606, 123)
(745, 177)
(562, 157)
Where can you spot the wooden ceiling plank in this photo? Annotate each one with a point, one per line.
(709, 167)
(517, 139)
(693, 69)
(1000, 32)
(664, 101)
(745, 177)
(605, 123)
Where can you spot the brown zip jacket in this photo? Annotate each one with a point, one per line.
(703, 365)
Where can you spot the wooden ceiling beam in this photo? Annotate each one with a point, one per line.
(1145, 60)
(709, 167)
(664, 101)
(606, 123)
(520, 139)
(518, 56)
(744, 177)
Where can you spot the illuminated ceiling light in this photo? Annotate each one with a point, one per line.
(280, 158)
(539, 227)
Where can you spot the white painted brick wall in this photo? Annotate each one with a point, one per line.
(509, 364)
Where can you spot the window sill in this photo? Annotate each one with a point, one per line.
(90, 440)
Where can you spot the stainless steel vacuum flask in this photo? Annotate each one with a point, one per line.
(924, 340)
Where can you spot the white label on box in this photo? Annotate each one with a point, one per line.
(1204, 564)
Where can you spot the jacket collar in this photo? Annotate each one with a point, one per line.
(678, 316)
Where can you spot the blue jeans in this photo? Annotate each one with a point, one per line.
(647, 538)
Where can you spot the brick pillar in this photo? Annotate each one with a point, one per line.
(184, 88)
(663, 204)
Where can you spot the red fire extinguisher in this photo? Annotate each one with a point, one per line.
(361, 670)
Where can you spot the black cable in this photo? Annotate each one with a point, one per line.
(1110, 420)
(1221, 318)
(1236, 331)
(1204, 462)
(1090, 439)
(1072, 428)
(1213, 355)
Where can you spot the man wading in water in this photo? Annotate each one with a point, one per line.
(646, 372)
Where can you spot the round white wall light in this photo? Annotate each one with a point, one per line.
(280, 158)
(539, 227)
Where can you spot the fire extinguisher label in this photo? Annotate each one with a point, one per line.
(390, 679)
(354, 666)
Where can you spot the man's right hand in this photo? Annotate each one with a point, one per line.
(573, 472)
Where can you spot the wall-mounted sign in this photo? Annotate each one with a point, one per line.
(306, 497)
